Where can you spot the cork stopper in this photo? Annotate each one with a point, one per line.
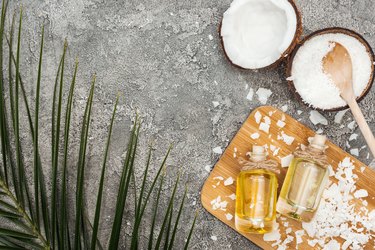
(258, 153)
(318, 142)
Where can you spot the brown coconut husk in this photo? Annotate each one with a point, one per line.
(286, 53)
(325, 31)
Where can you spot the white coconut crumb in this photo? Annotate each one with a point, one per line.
(284, 108)
(354, 225)
(285, 161)
(286, 138)
(283, 117)
(267, 120)
(217, 150)
(210, 37)
(299, 235)
(257, 117)
(216, 104)
(276, 152)
(361, 193)
(288, 230)
(207, 168)
(232, 196)
(250, 94)
(228, 181)
(353, 136)
(214, 237)
(340, 115)
(299, 112)
(234, 155)
(255, 135)
(263, 95)
(280, 123)
(319, 131)
(271, 113)
(351, 125)
(363, 168)
(354, 151)
(264, 127)
(274, 235)
(221, 178)
(229, 216)
(317, 118)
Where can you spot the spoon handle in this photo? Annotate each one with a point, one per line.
(365, 129)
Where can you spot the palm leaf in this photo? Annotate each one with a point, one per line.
(101, 184)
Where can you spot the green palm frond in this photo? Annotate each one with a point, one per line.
(36, 214)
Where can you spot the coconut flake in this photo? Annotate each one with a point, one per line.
(299, 112)
(284, 108)
(228, 181)
(207, 168)
(340, 115)
(255, 135)
(216, 104)
(263, 95)
(267, 120)
(317, 118)
(351, 125)
(286, 138)
(285, 161)
(280, 123)
(361, 193)
(217, 150)
(232, 197)
(264, 127)
(214, 237)
(353, 137)
(229, 216)
(257, 117)
(250, 94)
(354, 151)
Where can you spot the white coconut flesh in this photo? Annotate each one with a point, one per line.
(314, 86)
(256, 33)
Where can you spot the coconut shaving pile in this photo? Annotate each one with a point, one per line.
(339, 216)
(313, 85)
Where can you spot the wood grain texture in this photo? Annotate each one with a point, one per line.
(228, 166)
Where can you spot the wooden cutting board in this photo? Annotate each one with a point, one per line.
(227, 166)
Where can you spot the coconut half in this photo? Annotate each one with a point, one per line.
(305, 69)
(259, 33)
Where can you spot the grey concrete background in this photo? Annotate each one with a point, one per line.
(160, 55)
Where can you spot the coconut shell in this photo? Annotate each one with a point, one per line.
(325, 31)
(290, 49)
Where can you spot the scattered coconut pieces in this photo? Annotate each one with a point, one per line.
(285, 161)
(216, 104)
(361, 193)
(286, 138)
(255, 135)
(229, 216)
(263, 95)
(250, 94)
(351, 125)
(280, 123)
(284, 108)
(214, 237)
(257, 117)
(217, 203)
(353, 137)
(340, 115)
(354, 151)
(317, 118)
(228, 181)
(207, 168)
(274, 235)
(267, 120)
(217, 150)
(264, 127)
(232, 196)
(299, 112)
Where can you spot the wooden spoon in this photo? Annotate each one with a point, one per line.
(338, 65)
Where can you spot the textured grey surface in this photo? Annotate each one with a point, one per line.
(160, 55)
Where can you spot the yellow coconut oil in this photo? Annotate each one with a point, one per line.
(256, 195)
(305, 182)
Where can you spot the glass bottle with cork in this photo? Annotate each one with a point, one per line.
(305, 182)
(256, 193)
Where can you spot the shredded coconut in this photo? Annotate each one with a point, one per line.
(229, 216)
(263, 95)
(216, 104)
(313, 85)
(257, 117)
(316, 118)
(250, 94)
(280, 123)
(340, 115)
(217, 150)
(228, 181)
(255, 135)
(264, 127)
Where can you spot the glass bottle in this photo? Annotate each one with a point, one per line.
(305, 182)
(256, 193)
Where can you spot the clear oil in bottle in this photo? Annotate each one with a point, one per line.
(305, 182)
(256, 196)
